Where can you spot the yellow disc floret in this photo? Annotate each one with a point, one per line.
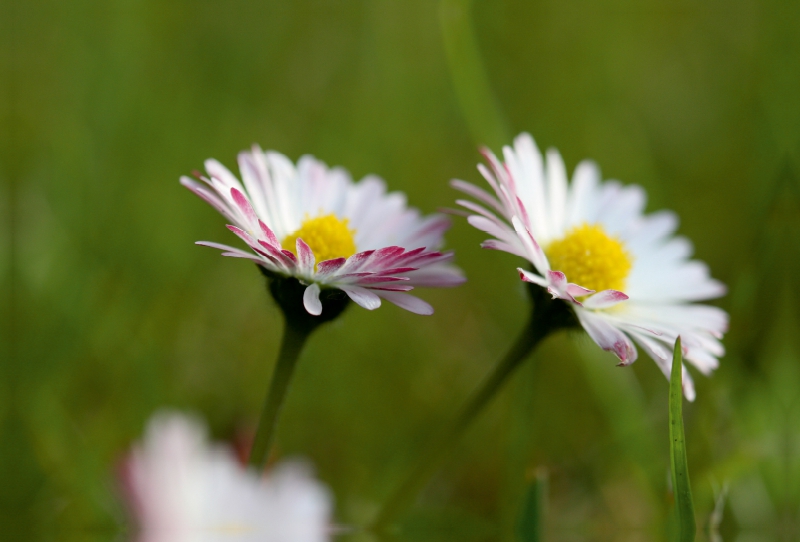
(328, 237)
(591, 258)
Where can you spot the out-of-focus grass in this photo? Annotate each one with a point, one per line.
(116, 313)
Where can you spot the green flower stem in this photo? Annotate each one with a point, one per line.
(294, 338)
(288, 295)
(548, 316)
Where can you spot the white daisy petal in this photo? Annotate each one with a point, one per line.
(557, 192)
(530, 182)
(210, 197)
(607, 336)
(255, 183)
(583, 192)
(653, 228)
(408, 302)
(363, 297)
(180, 487)
(687, 384)
(625, 205)
(477, 193)
(311, 300)
(222, 174)
(535, 253)
(589, 235)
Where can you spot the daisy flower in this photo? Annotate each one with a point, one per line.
(626, 276)
(314, 224)
(181, 488)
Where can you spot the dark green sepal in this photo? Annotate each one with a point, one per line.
(288, 294)
(551, 314)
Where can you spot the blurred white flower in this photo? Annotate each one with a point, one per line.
(317, 225)
(182, 489)
(626, 275)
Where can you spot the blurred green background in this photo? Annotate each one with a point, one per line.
(113, 313)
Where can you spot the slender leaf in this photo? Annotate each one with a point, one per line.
(532, 516)
(480, 108)
(684, 507)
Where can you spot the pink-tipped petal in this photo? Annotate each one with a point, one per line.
(535, 253)
(243, 235)
(576, 290)
(270, 236)
(384, 257)
(605, 299)
(494, 244)
(477, 193)
(311, 300)
(560, 288)
(356, 261)
(289, 255)
(247, 238)
(244, 206)
(489, 226)
(557, 284)
(210, 197)
(329, 267)
(408, 302)
(377, 279)
(475, 208)
(218, 246)
(278, 255)
(222, 174)
(444, 276)
(523, 212)
(262, 261)
(527, 276)
(305, 257)
(607, 336)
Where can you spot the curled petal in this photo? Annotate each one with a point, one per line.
(560, 288)
(527, 276)
(311, 300)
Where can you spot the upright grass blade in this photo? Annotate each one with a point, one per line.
(477, 101)
(530, 526)
(684, 508)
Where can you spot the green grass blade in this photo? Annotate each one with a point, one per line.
(530, 527)
(684, 507)
(486, 123)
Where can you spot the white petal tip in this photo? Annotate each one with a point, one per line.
(311, 300)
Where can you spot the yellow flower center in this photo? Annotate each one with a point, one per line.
(327, 236)
(589, 257)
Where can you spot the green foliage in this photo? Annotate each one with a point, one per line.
(681, 487)
(111, 312)
(534, 510)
